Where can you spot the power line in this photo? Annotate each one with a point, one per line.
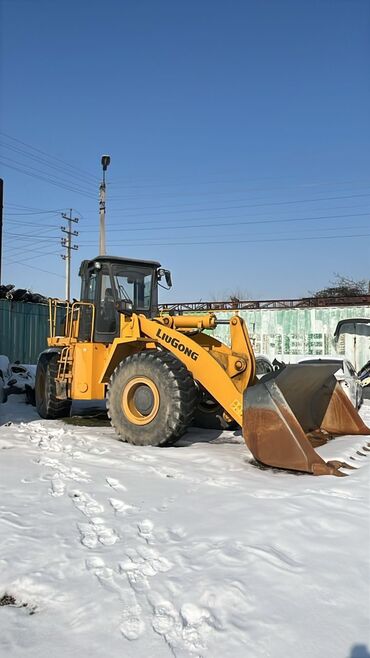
(58, 181)
(239, 241)
(53, 157)
(42, 270)
(18, 250)
(37, 233)
(47, 180)
(47, 253)
(15, 223)
(235, 223)
(126, 184)
(40, 212)
(18, 257)
(301, 235)
(250, 205)
(218, 192)
(28, 235)
(48, 164)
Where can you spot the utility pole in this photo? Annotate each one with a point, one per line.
(1, 223)
(67, 244)
(105, 161)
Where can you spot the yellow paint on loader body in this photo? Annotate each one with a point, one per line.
(224, 372)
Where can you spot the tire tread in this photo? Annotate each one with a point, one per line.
(184, 393)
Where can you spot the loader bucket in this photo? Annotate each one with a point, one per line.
(289, 409)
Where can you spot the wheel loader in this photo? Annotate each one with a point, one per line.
(159, 372)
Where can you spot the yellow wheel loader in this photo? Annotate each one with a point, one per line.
(159, 372)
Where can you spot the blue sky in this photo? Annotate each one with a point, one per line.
(238, 133)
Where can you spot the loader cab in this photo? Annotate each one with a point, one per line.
(110, 281)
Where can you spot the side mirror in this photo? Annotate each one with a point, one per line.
(167, 275)
(124, 306)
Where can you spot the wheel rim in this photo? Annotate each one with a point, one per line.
(140, 400)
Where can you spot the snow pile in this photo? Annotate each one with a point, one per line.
(113, 550)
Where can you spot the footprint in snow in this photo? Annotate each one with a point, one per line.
(57, 485)
(115, 484)
(145, 529)
(86, 503)
(131, 624)
(188, 627)
(165, 618)
(69, 473)
(143, 563)
(120, 507)
(94, 532)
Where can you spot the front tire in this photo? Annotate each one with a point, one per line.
(47, 403)
(151, 398)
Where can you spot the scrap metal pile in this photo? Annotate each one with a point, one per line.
(21, 295)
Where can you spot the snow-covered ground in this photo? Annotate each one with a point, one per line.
(185, 551)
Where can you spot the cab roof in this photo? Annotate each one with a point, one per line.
(86, 264)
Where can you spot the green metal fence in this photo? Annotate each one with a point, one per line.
(23, 330)
(287, 334)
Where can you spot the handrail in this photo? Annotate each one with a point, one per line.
(72, 323)
(76, 306)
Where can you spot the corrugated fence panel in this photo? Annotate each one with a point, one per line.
(287, 334)
(23, 330)
(291, 334)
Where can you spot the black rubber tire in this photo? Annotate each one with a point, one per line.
(3, 395)
(177, 398)
(208, 414)
(30, 395)
(47, 404)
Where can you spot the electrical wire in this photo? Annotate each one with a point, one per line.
(252, 205)
(53, 157)
(21, 262)
(59, 181)
(40, 212)
(233, 223)
(209, 243)
(302, 235)
(29, 235)
(33, 267)
(47, 180)
(49, 165)
(126, 184)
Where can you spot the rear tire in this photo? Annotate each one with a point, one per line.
(151, 398)
(47, 403)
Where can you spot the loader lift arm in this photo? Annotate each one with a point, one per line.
(223, 372)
